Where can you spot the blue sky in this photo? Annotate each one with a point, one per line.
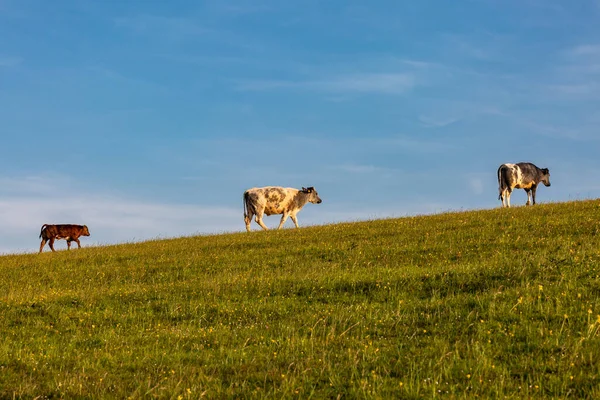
(146, 119)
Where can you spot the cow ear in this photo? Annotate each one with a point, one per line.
(303, 189)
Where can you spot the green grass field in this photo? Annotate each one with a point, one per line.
(493, 303)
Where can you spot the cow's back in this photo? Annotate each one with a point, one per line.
(269, 199)
(279, 199)
(528, 175)
(528, 171)
(62, 231)
(254, 197)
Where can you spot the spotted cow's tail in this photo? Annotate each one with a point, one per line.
(246, 205)
(500, 182)
(42, 230)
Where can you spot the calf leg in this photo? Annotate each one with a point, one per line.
(42, 244)
(68, 244)
(51, 244)
(78, 244)
(283, 218)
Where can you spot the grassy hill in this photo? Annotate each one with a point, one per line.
(494, 303)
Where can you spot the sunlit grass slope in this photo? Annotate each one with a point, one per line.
(494, 303)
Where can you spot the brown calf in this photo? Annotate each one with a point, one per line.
(71, 233)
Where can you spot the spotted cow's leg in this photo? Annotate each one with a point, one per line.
(293, 217)
(248, 219)
(284, 217)
(258, 219)
(506, 197)
(533, 189)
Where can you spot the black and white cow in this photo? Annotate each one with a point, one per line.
(520, 176)
(276, 200)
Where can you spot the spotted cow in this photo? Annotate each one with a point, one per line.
(49, 233)
(520, 176)
(276, 200)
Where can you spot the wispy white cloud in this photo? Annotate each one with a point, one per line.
(10, 61)
(575, 77)
(479, 183)
(577, 74)
(110, 220)
(476, 185)
(314, 144)
(383, 83)
(113, 218)
(585, 50)
(360, 169)
(433, 122)
(420, 64)
(160, 25)
(576, 90)
(422, 145)
(31, 184)
(553, 130)
(580, 71)
(114, 76)
(460, 44)
(242, 7)
(177, 29)
(580, 59)
(393, 83)
(28, 203)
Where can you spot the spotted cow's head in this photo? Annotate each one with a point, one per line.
(313, 196)
(545, 176)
